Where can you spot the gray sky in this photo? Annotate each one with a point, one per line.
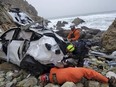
(58, 8)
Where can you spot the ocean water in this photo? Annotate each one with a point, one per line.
(96, 21)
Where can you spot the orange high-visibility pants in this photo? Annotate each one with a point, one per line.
(72, 74)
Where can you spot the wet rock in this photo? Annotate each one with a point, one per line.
(77, 21)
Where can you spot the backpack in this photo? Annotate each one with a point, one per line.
(81, 48)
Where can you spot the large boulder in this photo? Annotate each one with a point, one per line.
(77, 21)
(60, 24)
(109, 38)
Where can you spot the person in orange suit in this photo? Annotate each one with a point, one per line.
(72, 74)
(74, 34)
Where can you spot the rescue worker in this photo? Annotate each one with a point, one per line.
(78, 51)
(74, 74)
(74, 34)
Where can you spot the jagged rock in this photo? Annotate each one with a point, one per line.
(109, 38)
(60, 24)
(69, 84)
(77, 21)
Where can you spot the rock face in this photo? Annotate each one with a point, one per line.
(109, 38)
(5, 19)
(23, 5)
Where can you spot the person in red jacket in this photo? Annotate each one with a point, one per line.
(74, 34)
(73, 74)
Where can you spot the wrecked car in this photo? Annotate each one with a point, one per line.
(35, 50)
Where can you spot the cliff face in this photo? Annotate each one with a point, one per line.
(23, 5)
(6, 21)
(109, 38)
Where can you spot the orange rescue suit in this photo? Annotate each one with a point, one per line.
(74, 34)
(72, 74)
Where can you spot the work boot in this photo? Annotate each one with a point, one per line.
(112, 82)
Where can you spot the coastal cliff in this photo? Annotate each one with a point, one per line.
(6, 21)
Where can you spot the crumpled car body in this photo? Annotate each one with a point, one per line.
(45, 48)
(34, 49)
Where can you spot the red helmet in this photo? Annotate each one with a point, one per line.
(43, 79)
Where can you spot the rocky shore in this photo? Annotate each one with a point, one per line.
(13, 76)
(104, 41)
